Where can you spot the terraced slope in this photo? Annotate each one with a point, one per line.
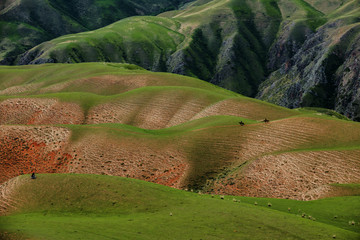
(93, 206)
(117, 119)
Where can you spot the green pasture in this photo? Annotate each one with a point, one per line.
(71, 206)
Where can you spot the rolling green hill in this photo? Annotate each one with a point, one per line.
(107, 138)
(169, 129)
(93, 207)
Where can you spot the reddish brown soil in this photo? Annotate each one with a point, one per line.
(150, 110)
(48, 150)
(226, 160)
(39, 111)
(129, 156)
(7, 202)
(33, 149)
(297, 175)
(251, 166)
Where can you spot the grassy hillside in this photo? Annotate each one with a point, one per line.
(103, 127)
(196, 43)
(256, 48)
(126, 89)
(169, 129)
(25, 24)
(93, 206)
(149, 42)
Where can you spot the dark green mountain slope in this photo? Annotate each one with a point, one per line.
(26, 23)
(218, 41)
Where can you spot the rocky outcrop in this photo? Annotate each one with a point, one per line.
(348, 79)
(323, 72)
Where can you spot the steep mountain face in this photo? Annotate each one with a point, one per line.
(303, 53)
(322, 71)
(217, 41)
(26, 23)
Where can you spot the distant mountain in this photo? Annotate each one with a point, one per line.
(217, 41)
(26, 23)
(303, 53)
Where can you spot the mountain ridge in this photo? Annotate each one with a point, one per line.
(25, 24)
(254, 48)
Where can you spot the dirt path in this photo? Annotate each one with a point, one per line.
(212, 6)
(7, 202)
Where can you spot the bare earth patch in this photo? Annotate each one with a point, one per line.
(260, 160)
(7, 189)
(39, 111)
(129, 156)
(26, 149)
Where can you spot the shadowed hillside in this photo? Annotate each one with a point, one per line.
(26, 23)
(323, 69)
(169, 129)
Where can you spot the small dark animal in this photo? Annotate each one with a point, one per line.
(241, 123)
(266, 120)
(33, 176)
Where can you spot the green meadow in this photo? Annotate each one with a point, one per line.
(72, 206)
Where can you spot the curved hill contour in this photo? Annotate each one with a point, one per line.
(94, 206)
(118, 119)
(294, 53)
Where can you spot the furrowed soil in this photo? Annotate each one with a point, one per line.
(118, 119)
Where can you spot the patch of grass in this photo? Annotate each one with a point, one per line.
(272, 10)
(327, 112)
(52, 74)
(333, 211)
(346, 189)
(315, 18)
(200, 59)
(16, 38)
(198, 124)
